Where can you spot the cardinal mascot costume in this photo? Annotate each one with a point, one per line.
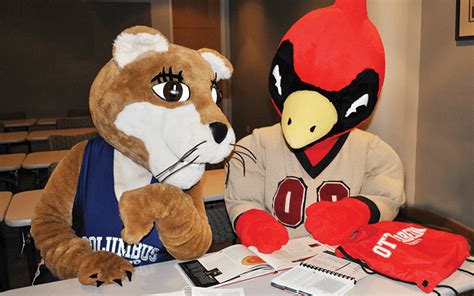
(315, 173)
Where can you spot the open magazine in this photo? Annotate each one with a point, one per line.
(238, 263)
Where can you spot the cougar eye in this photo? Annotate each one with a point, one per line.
(216, 95)
(172, 91)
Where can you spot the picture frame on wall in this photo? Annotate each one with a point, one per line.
(464, 20)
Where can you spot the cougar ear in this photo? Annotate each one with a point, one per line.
(219, 63)
(135, 41)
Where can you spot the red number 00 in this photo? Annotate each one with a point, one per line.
(289, 201)
(333, 191)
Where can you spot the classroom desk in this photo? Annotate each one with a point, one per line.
(46, 121)
(19, 215)
(213, 185)
(164, 277)
(43, 159)
(11, 162)
(13, 137)
(22, 207)
(19, 122)
(5, 198)
(43, 135)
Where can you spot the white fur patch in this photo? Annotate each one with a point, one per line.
(128, 175)
(168, 134)
(217, 65)
(128, 46)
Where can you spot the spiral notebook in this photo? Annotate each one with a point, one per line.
(322, 274)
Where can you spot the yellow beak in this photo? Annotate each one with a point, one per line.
(307, 117)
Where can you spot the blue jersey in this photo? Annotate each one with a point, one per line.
(96, 214)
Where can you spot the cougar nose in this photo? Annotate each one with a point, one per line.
(219, 131)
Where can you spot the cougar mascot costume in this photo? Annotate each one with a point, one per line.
(131, 196)
(315, 172)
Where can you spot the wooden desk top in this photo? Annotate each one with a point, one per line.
(43, 135)
(46, 121)
(19, 122)
(22, 208)
(11, 162)
(213, 185)
(5, 197)
(13, 137)
(40, 160)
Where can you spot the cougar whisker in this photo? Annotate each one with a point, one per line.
(242, 161)
(246, 154)
(185, 155)
(245, 148)
(174, 172)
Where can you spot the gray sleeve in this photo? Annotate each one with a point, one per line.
(245, 187)
(382, 189)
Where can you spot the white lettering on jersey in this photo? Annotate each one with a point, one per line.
(287, 202)
(409, 236)
(134, 253)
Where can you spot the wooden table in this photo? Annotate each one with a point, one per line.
(5, 198)
(43, 135)
(19, 122)
(22, 208)
(46, 121)
(213, 185)
(19, 214)
(13, 137)
(41, 160)
(11, 162)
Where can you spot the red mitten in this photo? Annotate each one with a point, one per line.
(334, 223)
(260, 229)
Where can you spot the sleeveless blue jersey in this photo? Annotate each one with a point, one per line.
(96, 214)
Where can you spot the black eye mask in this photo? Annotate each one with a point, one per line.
(354, 103)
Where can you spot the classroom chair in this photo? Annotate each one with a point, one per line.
(67, 142)
(74, 122)
(78, 112)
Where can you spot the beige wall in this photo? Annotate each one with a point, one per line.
(395, 120)
(445, 160)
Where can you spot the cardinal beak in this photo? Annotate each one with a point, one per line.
(307, 117)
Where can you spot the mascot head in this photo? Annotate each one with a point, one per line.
(327, 73)
(155, 102)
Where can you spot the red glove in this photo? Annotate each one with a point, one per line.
(334, 223)
(260, 229)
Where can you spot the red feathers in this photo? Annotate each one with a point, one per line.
(333, 45)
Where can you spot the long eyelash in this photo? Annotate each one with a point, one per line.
(165, 77)
(214, 81)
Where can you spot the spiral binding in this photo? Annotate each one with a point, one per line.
(333, 273)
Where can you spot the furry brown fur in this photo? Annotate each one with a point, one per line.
(179, 215)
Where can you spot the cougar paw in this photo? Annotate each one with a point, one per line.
(134, 234)
(101, 268)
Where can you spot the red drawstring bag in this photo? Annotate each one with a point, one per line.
(407, 252)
